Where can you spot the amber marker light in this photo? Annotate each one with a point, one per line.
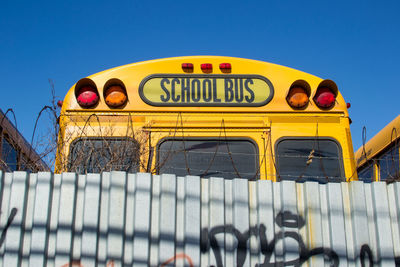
(115, 96)
(297, 97)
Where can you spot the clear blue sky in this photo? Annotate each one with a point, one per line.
(354, 43)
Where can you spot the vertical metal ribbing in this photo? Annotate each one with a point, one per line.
(325, 238)
(278, 249)
(78, 219)
(2, 183)
(192, 219)
(205, 221)
(382, 223)
(254, 240)
(155, 220)
(289, 205)
(316, 220)
(217, 221)
(104, 210)
(337, 221)
(41, 206)
(241, 219)
(180, 221)
(142, 219)
(302, 211)
(16, 211)
(65, 219)
(266, 218)
(230, 240)
(4, 209)
(359, 217)
(28, 224)
(167, 217)
(90, 219)
(53, 221)
(347, 208)
(369, 204)
(394, 207)
(129, 219)
(116, 218)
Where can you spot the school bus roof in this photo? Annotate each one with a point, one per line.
(133, 76)
(379, 142)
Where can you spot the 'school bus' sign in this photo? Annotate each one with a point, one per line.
(206, 90)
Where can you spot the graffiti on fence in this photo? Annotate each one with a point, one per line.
(173, 259)
(10, 219)
(77, 263)
(283, 219)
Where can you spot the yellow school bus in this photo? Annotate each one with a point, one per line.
(378, 159)
(207, 116)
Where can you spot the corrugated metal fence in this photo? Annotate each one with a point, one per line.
(119, 219)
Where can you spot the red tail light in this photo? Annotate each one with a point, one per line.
(324, 98)
(87, 97)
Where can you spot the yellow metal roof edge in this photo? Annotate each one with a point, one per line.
(197, 57)
(382, 139)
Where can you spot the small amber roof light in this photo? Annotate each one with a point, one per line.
(187, 67)
(297, 97)
(206, 67)
(115, 96)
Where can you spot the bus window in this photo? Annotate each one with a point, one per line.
(366, 174)
(389, 164)
(91, 155)
(309, 160)
(381, 151)
(228, 158)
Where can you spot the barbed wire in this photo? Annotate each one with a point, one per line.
(140, 154)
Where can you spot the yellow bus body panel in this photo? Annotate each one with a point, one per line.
(264, 124)
(377, 144)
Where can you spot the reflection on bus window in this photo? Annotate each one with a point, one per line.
(367, 173)
(309, 160)
(209, 158)
(389, 164)
(89, 155)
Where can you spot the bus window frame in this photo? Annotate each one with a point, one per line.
(212, 138)
(75, 140)
(369, 163)
(341, 163)
(377, 172)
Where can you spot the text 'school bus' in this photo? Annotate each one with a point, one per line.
(207, 116)
(378, 159)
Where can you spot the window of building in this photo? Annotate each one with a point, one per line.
(209, 158)
(9, 155)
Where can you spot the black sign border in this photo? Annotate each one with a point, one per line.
(169, 75)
